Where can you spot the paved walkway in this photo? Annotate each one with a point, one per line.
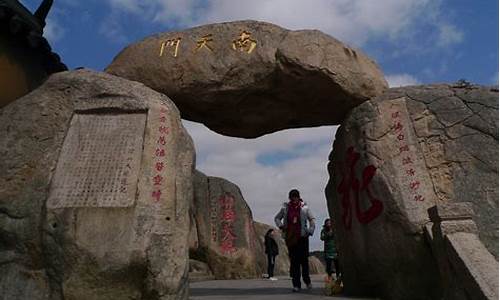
(258, 289)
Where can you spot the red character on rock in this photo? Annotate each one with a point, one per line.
(351, 187)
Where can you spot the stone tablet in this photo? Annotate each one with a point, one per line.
(99, 161)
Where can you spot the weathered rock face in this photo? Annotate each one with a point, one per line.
(316, 266)
(199, 271)
(282, 264)
(393, 158)
(224, 225)
(320, 255)
(94, 197)
(251, 78)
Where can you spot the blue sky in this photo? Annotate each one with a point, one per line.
(432, 41)
(413, 41)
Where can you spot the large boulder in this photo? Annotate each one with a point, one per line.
(393, 158)
(251, 78)
(226, 238)
(316, 266)
(282, 263)
(94, 192)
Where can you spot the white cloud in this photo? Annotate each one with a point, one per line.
(131, 6)
(111, 29)
(397, 80)
(53, 31)
(449, 35)
(352, 21)
(265, 187)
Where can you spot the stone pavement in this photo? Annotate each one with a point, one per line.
(253, 289)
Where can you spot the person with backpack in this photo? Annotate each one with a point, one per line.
(271, 251)
(297, 223)
(330, 251)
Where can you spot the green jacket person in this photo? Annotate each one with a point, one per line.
(330, 250)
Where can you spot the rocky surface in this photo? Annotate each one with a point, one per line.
(95, 194)
(223, 221)
(393, 158)
(319, 255)
(251, 78)
(316, 266)
(199, 271)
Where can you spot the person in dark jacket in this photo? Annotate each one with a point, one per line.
(271, 251)
(328, 237)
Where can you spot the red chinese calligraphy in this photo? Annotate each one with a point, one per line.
(407, 160)
(397, 126)
(156, 195)
(410, 172)
(226, 201)
(228, 217)
(418, 198)
(160, 152)
(159, 166)
(404, 148)
(227, 232)
(157, 179)
(162, 140)
(164, 130)
(414, 185)
(351, 186)
(227, 246)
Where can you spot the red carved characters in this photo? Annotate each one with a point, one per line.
(159, 156)
(350, 187)
(228, 217)
(406, 158)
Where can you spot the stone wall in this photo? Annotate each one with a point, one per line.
(394, 157)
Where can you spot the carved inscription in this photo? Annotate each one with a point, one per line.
(213, 219)
(352, 189)
(244, 43)
(99, 161)
(408, 167)
(160, 153)
(407, 160)
(228, 217)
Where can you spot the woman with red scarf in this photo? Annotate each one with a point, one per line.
(292, 219)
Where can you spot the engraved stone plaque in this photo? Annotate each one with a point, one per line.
(99, 161)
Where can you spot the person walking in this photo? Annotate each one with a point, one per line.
(330, 251)
(271, 251)
(293, 219)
